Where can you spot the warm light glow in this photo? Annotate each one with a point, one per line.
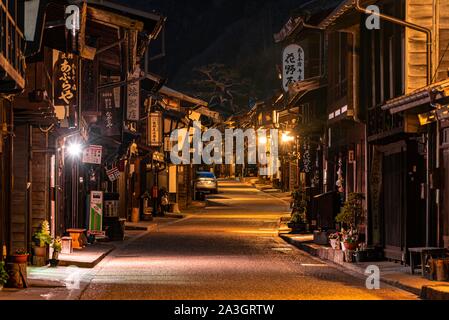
(286, 137)
(262, 140)
(74, 149)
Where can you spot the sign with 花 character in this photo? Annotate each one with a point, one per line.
(66, 87)
(92, 154)
(154, 126)
(133, 97)
(292, 65)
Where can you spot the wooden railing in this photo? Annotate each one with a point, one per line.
(382, 122)
(12, 45)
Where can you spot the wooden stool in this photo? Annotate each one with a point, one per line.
(77, 239)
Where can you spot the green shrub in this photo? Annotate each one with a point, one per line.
(351, 210)
(3, 274)
(43, 235)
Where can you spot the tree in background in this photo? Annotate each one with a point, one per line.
(226, 90)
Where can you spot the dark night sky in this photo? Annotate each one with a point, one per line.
(236, 33)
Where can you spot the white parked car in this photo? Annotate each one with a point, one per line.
(206, 182)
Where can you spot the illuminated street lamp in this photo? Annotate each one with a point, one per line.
(74, 149)
(286, 137)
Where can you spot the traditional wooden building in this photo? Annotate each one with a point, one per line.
(421, 105)
(300, 111)
(12, 81)
(80, 93)
(319, 139)
(345, 143)
(172, 110)
(398, 62)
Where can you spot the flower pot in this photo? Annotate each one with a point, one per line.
(40, 251)
(335, 244)
(54, 263)
(19, 258)
(350, 246)
(55, 255)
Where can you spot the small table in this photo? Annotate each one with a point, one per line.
(76, 235)
(424, 253)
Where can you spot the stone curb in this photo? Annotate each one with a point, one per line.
(90, 265)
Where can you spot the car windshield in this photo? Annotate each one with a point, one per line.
(206, 175)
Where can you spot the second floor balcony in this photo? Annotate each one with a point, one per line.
(12, 43)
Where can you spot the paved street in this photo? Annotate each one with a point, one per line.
(230, 250)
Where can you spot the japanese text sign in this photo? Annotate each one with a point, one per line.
(292, 65)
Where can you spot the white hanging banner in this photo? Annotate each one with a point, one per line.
(292, 65)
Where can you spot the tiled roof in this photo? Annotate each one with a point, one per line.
(418, 97)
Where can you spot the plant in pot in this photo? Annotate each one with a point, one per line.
(351, 212)
(20, 256)
(298, 220)
(350, 241)
(3, 275)
(335, 239)
(42, 239)
(57, 247)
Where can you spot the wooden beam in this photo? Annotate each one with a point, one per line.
(114, 19)
(12, 72)
(85, 51)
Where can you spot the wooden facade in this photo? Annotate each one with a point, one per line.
(39, 181)
(345, 152)
(301, 112)
(404, 210)
(12, 81)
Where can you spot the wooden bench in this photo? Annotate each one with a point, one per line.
(425, 253)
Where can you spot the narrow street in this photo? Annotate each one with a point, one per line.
(229, 250)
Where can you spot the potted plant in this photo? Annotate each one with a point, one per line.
(351, 212)
(57, 247)
(42, 239)
(335, 239)
(20, 256)
(298, 221)
(350, 241)
(3, 275)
